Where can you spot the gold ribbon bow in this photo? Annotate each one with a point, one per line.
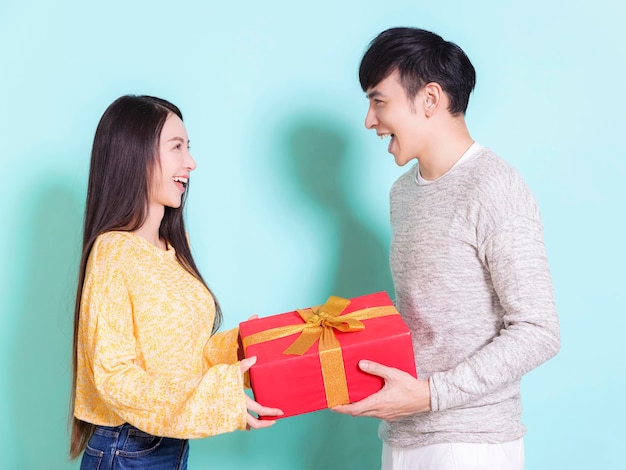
(321, 323)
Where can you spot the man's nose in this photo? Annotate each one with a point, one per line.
(370, 119)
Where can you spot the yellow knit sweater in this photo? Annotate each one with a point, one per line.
(145, 351)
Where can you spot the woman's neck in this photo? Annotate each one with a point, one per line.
(150, 228)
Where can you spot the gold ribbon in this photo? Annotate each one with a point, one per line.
(320, 323)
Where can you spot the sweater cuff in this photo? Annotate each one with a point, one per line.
(435, 402)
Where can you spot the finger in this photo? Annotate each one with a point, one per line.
(351, 410)
(343, 409)
(255, 423)
(253, 317)
(359, 408)
(245, 364)
(261, 410)
(265, 411)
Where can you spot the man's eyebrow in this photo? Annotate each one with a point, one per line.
(373, 94)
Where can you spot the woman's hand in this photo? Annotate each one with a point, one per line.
(253, 422)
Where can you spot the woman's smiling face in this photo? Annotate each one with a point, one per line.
(175, 163)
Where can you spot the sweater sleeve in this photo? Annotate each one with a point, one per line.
(222, 348)
(163, 404)
(517, 262)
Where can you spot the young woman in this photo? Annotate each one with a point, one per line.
(149, 369)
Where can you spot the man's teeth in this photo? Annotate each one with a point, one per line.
(383, 136)
(180, 179)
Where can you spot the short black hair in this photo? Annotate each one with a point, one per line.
(420, 57)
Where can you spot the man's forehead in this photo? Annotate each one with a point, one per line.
(378, 90)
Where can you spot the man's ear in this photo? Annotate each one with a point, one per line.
(432, 97)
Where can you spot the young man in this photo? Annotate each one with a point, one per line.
(469, 268)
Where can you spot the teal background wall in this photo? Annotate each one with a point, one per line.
(289, 202)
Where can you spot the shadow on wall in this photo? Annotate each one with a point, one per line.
(319, 163)
(40, 373)
(318, 159)
(313, 164)
(310, 165)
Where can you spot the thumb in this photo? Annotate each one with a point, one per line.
(245, 364)
(375, 368)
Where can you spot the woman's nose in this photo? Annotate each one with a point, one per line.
(190, 163)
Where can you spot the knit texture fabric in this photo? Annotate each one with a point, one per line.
(145, 351)
(473, 284)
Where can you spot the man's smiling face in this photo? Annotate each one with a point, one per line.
(392, 114)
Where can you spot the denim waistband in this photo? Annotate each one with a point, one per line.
(111, 431)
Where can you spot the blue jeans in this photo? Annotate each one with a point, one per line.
(125, 447)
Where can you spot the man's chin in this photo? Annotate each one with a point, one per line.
(400, 160)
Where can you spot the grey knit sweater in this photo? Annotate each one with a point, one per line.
(473, 284)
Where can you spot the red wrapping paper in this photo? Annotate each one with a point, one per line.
(294, 383)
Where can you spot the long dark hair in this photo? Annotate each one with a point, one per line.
(123, 160)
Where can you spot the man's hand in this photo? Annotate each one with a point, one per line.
(402, 395)
(254, 407)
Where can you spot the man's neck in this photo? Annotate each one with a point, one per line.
(447, 145)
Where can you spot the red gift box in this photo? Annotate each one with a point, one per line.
(307, 360)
